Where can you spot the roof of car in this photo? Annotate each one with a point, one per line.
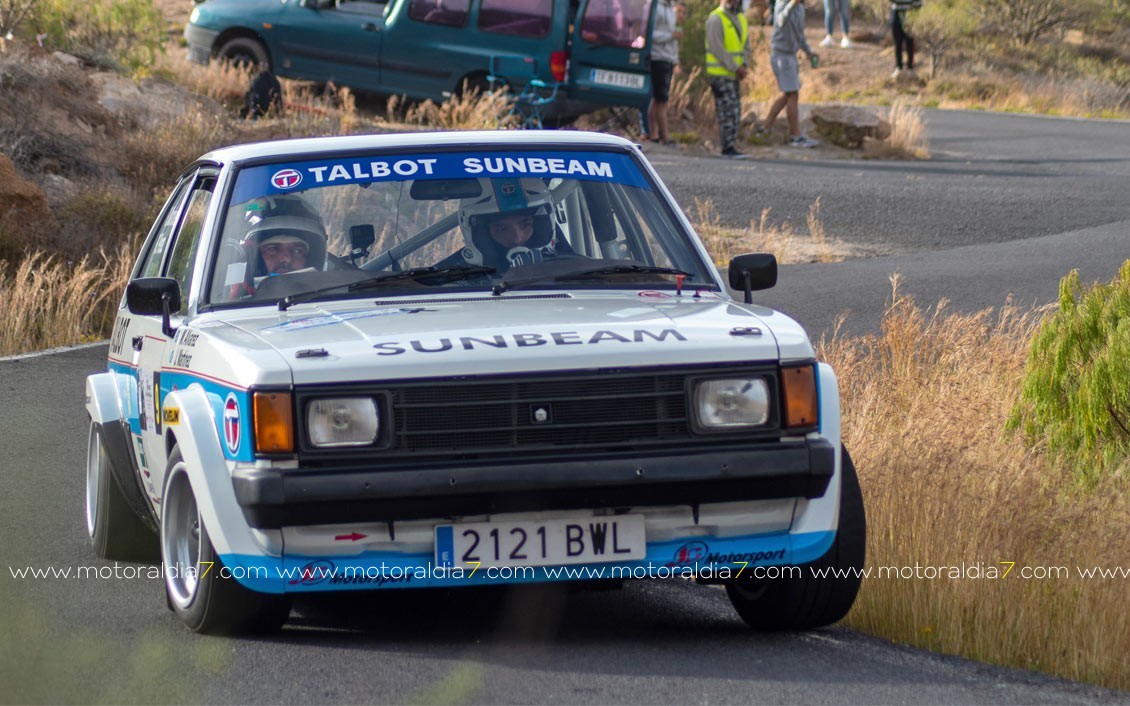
(424, 140)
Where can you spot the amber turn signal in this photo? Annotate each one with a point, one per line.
(274, 423)
(798, 386)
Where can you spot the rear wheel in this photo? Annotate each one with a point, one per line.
(116, 532)
(198, 587)
(246, 53)
(808, 600)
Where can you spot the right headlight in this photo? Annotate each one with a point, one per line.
(342, 421)
(732, 403)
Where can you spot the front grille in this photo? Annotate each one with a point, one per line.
(497, 417)
(577, 413)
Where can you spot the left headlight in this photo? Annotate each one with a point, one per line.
(731, 403)
(342, 421)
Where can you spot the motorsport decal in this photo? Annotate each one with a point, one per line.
(231, 423)
(269, 180)
(329, 320)
(527, 340)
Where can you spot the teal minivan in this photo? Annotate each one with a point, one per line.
(595, 51)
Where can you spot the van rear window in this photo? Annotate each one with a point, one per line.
(523, 18)
(452, 13)
(621, 23)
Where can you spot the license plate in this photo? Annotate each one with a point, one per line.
(541, 542)
(618, 78)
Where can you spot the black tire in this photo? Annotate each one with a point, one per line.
(807, 601)
(476, 83)
(196, 585)
(245, 52)
(116, 532)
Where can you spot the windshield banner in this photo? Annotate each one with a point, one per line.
(270, 180)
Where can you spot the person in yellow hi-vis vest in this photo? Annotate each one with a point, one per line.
(727, 63)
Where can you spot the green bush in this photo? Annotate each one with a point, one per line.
(1076, 392)
(118, 34)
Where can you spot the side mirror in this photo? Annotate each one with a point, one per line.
(753, 271)
(150, 296)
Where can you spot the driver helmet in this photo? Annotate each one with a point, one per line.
(510, 197)
(282, 219)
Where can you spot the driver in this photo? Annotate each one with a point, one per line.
(287, 237)
(509, 225)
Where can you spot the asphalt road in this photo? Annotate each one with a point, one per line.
(1007, 205)
(1003, 208)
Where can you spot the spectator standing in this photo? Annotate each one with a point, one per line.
(903, 41)
(665, 36)
(833, 9)
(727, 62)
(787, 39)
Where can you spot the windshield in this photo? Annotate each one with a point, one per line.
(465, 220)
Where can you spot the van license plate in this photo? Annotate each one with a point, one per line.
(541, 542)
(618, 78)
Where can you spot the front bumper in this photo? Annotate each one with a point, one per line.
(200, 43)
(274, 498)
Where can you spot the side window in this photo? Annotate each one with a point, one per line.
(188, 238)
(523, 18)
(153, 258)
(452, 13)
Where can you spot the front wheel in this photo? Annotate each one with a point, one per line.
(823, 591)
(246, 53)
(197, 585)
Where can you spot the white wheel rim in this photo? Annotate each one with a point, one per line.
(180, 539)
(93, 478)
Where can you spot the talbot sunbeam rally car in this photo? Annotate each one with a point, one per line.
(459, 359)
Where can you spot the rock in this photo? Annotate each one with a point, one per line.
(848, 125)
(150, 103)
(23, 206)
(64, 58)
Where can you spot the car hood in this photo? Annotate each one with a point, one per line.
(483, 335)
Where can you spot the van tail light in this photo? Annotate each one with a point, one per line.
(558, 65)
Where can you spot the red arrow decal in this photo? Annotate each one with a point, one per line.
(352, 537)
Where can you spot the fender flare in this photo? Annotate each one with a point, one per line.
(821, 516)
(105, 393)
(252, 557)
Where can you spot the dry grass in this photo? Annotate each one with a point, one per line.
(762, 235)
(924, 404)
(908, 131)
(46, 303)
(470, 110)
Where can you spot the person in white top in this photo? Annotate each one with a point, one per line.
(665, 36)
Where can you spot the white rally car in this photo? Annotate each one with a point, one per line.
(459, 359)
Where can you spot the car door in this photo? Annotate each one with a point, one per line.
(608, 61)
(174, 255)
(429, 46)
(322, 40)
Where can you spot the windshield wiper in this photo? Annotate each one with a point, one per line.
(423, 275)
(599, 271)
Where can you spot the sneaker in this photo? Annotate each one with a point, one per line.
(761, 131)
(896, 73)
(802, 141)
(828, 41)
(846, 43)
(734, 154)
